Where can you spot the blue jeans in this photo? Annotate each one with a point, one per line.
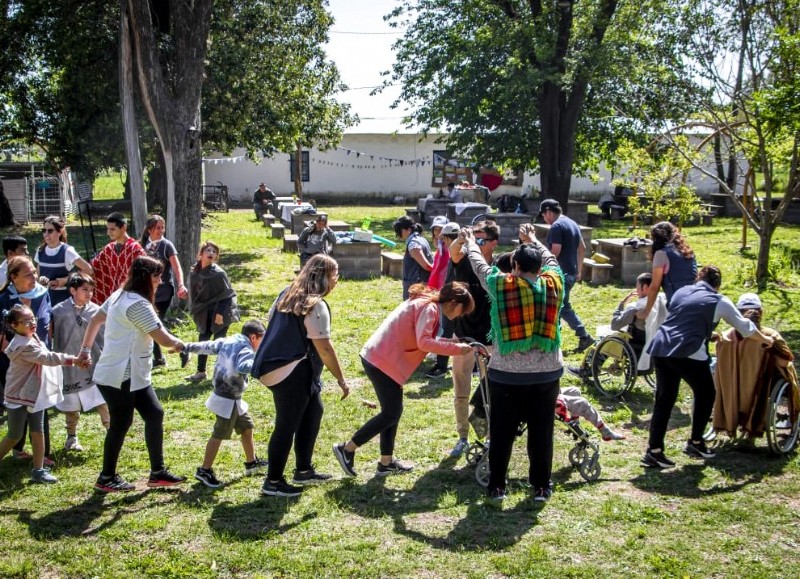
(567, 313)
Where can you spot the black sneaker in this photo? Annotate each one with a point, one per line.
(542, 495)
(346, 459)
(113, 484)
(259, 464)
(207, 477)
(184, 358)
(584, 343)
(310, 477)
(656, 460)
(698, 449)
(497, 495)
(164, 478)
(158, 362)
(393, 467)
(436, 372)
(280, 489)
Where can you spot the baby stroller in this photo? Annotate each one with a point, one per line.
(585, 455)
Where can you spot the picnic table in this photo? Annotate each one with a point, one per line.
(287, 208)
(628, 261)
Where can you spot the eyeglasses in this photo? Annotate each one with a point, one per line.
(46, 230)
(27, 322)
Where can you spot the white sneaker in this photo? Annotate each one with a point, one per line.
(72, 443)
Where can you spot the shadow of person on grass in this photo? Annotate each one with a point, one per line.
(686, 480)
(254, 520)
(418, 512)
(79, 520)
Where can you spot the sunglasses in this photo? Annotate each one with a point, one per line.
(483, 241)
(46, 230)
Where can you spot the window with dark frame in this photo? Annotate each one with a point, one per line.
(304, 168)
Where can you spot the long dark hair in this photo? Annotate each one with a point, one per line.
(313, 283)
(148, 225)
(59, 225)
(140, 275)
(663, 233)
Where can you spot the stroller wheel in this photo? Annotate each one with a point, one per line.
(482, 471)
(475, 453)
(590, 469)
(577, 455)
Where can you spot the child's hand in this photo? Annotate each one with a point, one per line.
(219, 320)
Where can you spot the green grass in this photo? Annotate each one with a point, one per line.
(734, 516)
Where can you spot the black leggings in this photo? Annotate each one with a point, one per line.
(161, 309)
(513, 404)
(20, 446)
(121, 404)
(298, 414)
(669, 372)
(390, 397)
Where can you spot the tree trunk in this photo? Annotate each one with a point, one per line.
(762, 262)
(183, 165)
(298, 172)
(558, 123)
(6, 215)
(129, 127)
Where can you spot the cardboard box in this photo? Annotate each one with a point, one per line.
(360, 235)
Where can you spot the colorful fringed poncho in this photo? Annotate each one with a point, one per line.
(525, 315)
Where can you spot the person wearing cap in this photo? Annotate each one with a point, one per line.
(745, 371)
(316, 238)
(564, 240)
(262, 200)
(476, 325)
(680, 352)
(439, 273)
(418, 259)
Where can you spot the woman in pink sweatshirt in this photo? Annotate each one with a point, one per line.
(392, 354)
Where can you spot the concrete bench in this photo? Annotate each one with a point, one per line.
(594, 220)
(290, 243)
(267, 219)
(358, 260)
(414, 214)
(392, 264)
(334, 225)
(617, 212)
(277, 230)
(596, 273)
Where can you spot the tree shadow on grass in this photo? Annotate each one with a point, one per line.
(78, 520)
(234, 264)
(254, 520)
(686, 480)
(417, 513)
(428, 387)
(185, 391)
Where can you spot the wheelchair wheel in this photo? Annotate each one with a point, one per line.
(577, 455)
(650, 379)
(782, 432)
(613, 367)
(482, 471)
(475, 453)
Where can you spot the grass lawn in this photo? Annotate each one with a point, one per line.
(735, 516)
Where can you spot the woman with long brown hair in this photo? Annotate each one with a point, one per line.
(296, 345)
(161, 248)
(55, 259)
(123, 372)
(674, 264)
(392, 354)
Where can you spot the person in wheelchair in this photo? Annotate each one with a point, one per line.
(745, 371)
(625, 319)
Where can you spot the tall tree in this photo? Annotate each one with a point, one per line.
(748, 53)
(547, 85)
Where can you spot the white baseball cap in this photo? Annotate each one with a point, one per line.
(439, 221)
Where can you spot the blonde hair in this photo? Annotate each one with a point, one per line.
(313, 283)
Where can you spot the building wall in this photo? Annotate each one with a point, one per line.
(367, 167)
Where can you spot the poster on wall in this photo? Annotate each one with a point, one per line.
(447, 168)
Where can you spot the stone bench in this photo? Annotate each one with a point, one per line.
(267, 219)
(290, 243)
(617, 212)
(358, 260)
(594, 220)
(596, 273)
(334, 225)
(414, 214)
(277, 230)
(392, 264)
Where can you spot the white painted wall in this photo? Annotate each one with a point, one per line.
(371, 175)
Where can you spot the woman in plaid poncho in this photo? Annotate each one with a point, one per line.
(526, 365)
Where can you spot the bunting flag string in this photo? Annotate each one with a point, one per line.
(385, 161)
(220, 160)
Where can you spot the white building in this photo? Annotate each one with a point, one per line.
(375, 167)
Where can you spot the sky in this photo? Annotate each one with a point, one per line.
(360, 45)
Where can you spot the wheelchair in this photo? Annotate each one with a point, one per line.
(611, 364)
(782, 425)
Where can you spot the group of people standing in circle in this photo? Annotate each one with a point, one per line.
(109, 348)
